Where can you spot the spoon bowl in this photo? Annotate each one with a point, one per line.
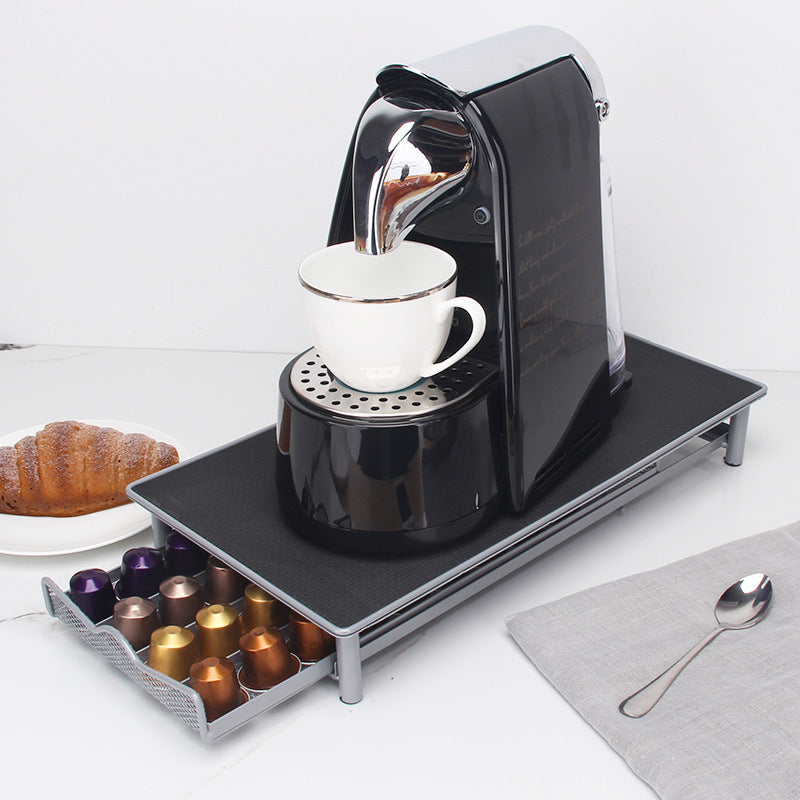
(744, 603)
(741, 605)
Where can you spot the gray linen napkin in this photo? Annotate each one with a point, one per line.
(729, 727)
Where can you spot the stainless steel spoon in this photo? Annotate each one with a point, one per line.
(742, 605)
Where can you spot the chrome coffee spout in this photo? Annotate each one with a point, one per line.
(406, 156)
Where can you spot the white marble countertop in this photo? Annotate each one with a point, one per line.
(453, 710)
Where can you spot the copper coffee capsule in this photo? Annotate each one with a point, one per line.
(218, 630)
(308, 640)
(172, 651)
(266, 660)
(214, 679)
(136, 618)
(180, 598)
(261, 609)
(223, 584)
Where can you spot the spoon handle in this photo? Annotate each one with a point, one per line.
(638, 704)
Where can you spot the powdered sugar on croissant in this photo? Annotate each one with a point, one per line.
(72, 468)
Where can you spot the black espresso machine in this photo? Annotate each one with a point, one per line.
(492, 153)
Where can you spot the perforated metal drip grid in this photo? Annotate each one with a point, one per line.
(312, 381)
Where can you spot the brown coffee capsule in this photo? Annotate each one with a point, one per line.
(214, 679)
(266, 660)
(223, 584)
(308, 640)
(180, 598)
(172, 651)
(261, 609)
(218, 630)
(136, 618)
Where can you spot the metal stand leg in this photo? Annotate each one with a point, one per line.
(348, 668)
(737, 433)
(160, 531)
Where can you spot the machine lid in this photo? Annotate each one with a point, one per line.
(476, 67)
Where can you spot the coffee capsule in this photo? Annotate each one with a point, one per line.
(261, 609)
(179, 599)
(136, 618)
(214, 679)
(218, 630)
(172, 651)
(223, 584)
(308, 641)
(91, 590)
(266, 660)
(141, 573)
(182, 556)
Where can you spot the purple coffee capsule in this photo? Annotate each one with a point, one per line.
(184, 557)
(142, 572)
(92, 592)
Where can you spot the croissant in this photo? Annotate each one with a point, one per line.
(73, 468)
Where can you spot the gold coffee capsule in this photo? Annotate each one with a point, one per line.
(308, 641)
(266, 660)
(261, 609)
(136, 619)
(218, 630)
(214, 679)
(180, 598)
(172, 651)
(223, 584)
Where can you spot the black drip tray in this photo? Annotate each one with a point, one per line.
(226, 500)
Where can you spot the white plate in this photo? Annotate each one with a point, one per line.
(56, 536)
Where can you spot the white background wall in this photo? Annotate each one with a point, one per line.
(165, 164)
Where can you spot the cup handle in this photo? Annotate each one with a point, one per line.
(478, 317)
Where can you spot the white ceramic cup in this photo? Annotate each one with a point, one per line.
(380, 322)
